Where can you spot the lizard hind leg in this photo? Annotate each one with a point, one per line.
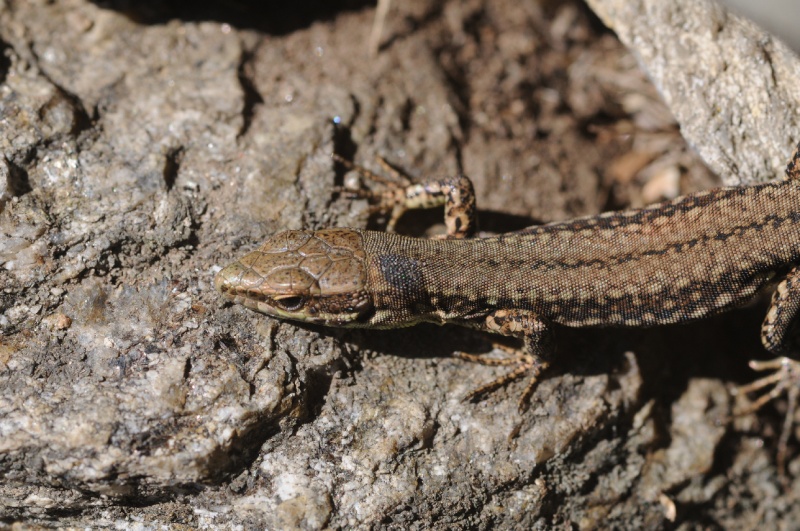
(530, 361)
(785, 376)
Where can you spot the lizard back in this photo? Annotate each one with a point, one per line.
(666, 263)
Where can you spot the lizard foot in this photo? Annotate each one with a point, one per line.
(784, 378)
(401, 193)
(524, 364)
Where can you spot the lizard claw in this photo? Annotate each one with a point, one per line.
(525, 364)
(786, 376)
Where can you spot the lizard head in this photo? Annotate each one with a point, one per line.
(312, 276)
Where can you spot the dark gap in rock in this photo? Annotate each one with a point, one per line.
(5, 60)
(172, 165)
(252, 98)
(18, 182)
(273, 17)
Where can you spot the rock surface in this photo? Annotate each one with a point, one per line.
(732, 88)
(146, 145)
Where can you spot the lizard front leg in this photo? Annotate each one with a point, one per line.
(456, 194)
(537, 337)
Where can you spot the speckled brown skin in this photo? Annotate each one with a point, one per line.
(672, 262)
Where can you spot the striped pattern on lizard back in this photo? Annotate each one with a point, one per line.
(667, 263)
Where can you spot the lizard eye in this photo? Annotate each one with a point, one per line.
(291, 303)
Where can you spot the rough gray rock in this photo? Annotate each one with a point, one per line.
(140, 156)
(731, 87)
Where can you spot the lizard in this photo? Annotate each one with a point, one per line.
(672, 262)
